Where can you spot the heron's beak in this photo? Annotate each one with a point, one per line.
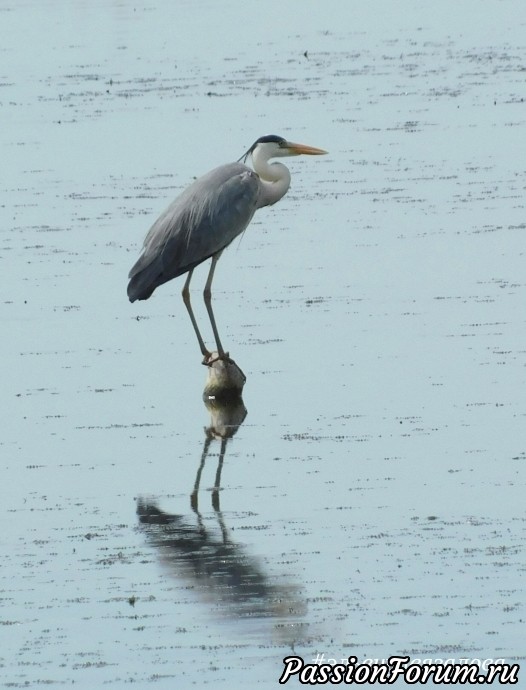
(299, 149)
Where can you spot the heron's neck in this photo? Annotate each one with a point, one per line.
(275, 179)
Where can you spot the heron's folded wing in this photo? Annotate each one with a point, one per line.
(202, 221)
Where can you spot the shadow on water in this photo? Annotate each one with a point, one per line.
(196, 550)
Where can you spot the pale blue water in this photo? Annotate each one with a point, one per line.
(372, 502)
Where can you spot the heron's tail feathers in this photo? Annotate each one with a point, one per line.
(143, 281)
(136, 293)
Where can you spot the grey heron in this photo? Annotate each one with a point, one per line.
(205, 218)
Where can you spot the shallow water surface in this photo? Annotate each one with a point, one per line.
(367, 497)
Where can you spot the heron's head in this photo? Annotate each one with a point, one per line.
(272, 146)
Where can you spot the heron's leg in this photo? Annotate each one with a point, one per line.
(207, 294)
(186, 300)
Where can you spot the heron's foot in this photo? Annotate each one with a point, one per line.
(213, 357)
(206, 357)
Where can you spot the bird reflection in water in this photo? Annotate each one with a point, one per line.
(220, 569)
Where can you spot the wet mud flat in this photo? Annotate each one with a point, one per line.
(367, 498)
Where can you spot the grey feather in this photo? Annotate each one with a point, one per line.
(201, 222)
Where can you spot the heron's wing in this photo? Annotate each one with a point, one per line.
(202, 221)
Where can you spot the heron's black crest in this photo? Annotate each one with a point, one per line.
(267, 139)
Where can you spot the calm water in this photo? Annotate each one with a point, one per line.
(372, 500)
